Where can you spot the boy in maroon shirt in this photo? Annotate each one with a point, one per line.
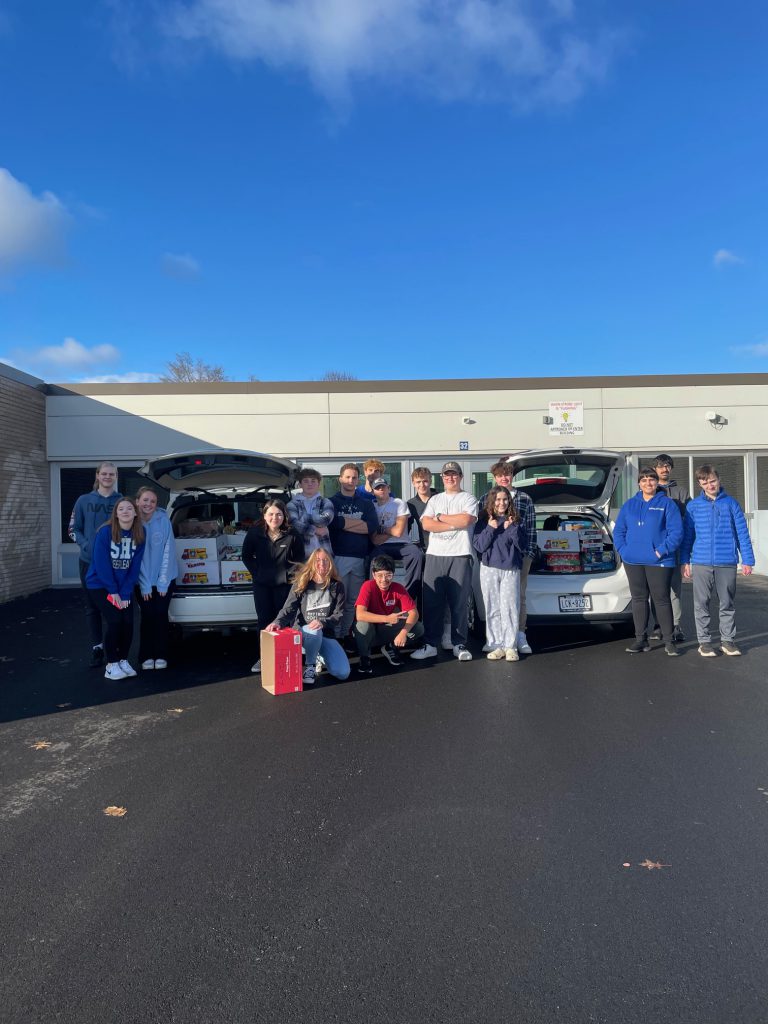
(385, 614)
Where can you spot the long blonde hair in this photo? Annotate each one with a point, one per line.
(305, 573)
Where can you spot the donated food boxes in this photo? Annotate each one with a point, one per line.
(207, 560)
(281, 670)
(561, 550)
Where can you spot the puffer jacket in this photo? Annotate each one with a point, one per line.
(715, 532)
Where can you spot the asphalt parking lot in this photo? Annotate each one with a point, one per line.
(577, 837)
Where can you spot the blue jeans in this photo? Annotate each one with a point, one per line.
(331, 652)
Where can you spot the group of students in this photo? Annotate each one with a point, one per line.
(326, 565)
(662, 535)
(126, 548)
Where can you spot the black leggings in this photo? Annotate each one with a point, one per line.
(269, 600)
(653, 580)
(153, 633)
(119, 631)
(92, 609)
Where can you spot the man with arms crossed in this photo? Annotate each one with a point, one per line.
(715, 537)
(354, 523)
(448, 519)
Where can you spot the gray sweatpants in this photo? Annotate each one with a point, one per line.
(352, 573)
(447, 581)
(723, 579)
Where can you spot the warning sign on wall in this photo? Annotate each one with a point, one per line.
(567, 419)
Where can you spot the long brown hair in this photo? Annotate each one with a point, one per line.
(137, 530)
(280, 505)
(305, 572)
(490, 502)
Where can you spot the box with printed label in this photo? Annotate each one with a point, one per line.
(557, 540)
(233, 571)
(197, 572)
(281, 670)
(200, 548)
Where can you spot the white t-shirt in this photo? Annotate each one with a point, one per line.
(451, 543)
(390, 512)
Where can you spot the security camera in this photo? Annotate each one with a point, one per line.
(467, 419)
(711, 416)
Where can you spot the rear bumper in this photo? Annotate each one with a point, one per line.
(213, 608)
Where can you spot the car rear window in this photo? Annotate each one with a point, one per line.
(561, 483)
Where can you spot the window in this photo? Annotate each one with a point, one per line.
(77, 481)
(762, 482)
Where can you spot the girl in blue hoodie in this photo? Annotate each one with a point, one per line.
(156, 579)
(647, 534)
(117, 551)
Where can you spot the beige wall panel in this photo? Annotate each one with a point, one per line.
(465, 403)
(186, 405)
(124, 436)
(642, 429)
(702, 397)
(440, 433)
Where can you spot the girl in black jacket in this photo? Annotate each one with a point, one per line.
(271, 550)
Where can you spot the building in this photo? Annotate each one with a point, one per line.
(53, 435)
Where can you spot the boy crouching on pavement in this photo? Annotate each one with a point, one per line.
(715, 536)
(386, 614)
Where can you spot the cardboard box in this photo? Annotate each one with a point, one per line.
(557, 540)
(198, 573)
(233, 572)
(199, 549)
(281, 667)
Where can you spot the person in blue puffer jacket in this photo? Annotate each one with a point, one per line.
(647, 534)
(715, 536)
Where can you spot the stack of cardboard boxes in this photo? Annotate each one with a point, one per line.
(577, 547)
(207, 560)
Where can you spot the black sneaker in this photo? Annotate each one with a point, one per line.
(678, 636)
(655, 633)
(729, 647)
(707, 651)
(392, 656)
(638, 647)
(365, 668)
(671, 650)
(97, 657)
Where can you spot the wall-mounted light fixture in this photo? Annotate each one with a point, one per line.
(715, 419)
(468, 420)
(547, 420)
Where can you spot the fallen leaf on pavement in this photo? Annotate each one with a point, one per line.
(115, 812)
(175, 711)
(41, 745)
(651, 864)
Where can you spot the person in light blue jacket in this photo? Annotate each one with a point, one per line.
(647, 535)
(715, 537)
(156, 579)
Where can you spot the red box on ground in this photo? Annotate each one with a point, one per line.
(281, 670)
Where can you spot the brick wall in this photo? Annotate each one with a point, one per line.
(25, 492)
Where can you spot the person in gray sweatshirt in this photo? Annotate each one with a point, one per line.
(156, 579)
(91, 511)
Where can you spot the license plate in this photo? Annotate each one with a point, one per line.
(575, 603)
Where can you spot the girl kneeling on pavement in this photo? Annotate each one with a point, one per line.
(315, 605)
(156, 579)
(500, 538)
(647, 534)
(118, 548)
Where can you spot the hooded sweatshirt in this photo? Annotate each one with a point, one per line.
(90, 512)
(114, 566)
(159, 565)
(500, 547)
(645, 527)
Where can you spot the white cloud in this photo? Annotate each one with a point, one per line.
(724, 257)
(32, 228)
(760, 349)
(72, 355)
(180, 265)
(491, 50)
(133, 377)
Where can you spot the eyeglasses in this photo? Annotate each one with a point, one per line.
(384, 573)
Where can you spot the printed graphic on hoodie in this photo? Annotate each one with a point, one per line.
(122, 553)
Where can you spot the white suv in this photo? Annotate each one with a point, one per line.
(577, 575)
(215, 496)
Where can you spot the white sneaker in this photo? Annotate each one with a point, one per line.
(114, 672)
(461, 652)
(161, 663)
(446, 643)
(148, 665)
(127, 670)
(427, 651)
(256, 667)
(320, 665)
(522, 644)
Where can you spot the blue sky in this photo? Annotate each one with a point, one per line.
(394, 188)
